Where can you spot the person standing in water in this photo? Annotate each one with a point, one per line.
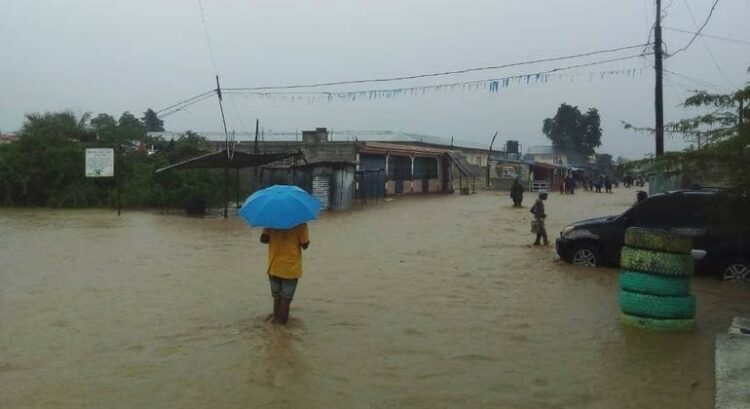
(284, 266)
(539, 215)
(516, 193)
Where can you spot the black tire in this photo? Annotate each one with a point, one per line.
(736, 269)
(661, 240)
(654, 306)
(586, 254)
(648, 261)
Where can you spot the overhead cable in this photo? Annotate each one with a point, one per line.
(412, 89)
(731, 40)
(437, 74)
(698, 32)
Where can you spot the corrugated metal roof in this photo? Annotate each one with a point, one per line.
(220, 160)
(461, 164)
(397, 147)
(336, 135)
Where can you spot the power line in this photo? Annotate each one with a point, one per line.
(181, 106)
(693, 80)
(708, 50)
(436, 74)
(698, 32)
(539, 74)
(731, 40)
(208, 39)
(211, 92)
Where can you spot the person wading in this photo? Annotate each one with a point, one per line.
(516, 193)
(284, 266)
(539, 215)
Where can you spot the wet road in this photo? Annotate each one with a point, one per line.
(426, 302)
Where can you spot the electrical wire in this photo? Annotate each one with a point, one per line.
(211, 92)
(697, 33)
(731, 40)
(181, 106)
(424, 87)
(208, 39)
(437, 74)
(693, 80)
(708, 50)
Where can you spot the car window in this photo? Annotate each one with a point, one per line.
(691, 211)
(653, 212)
(672, 211)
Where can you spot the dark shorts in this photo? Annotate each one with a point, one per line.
(283, 286)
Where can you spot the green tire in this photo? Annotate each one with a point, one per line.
(654, 284)
(658, 324)
(654, 306)
(655, 262)
(658, 240)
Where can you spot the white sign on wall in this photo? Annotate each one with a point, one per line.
(100, 163)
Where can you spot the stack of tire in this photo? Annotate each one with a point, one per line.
(655, 280)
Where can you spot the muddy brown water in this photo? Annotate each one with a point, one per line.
(425, 302)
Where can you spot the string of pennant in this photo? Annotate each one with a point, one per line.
(488, 85)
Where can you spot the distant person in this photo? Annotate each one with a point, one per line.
(516, 193)
(607, 185)
(640, 196)
(598, 184)
(539, 216)
(571, 184)
(284, 266)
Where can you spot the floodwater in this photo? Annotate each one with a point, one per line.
(424, 302)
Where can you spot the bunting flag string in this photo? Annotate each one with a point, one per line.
(493, 86)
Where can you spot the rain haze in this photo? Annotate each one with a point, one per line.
(100, 56)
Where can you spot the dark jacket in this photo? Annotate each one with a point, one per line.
(538, 209)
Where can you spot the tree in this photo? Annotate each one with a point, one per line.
(61, 125)
(722, 154)
(130, 129)
(573, 132)
(152, 121)
(105, 128)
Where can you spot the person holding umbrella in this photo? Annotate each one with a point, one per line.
(284, 265)
(283, 211)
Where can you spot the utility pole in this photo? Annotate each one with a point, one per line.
(226, 148)
(489, 155)
(659, 100)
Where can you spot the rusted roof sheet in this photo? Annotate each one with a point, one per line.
(461, 164)
(401, 148)
(238, 160)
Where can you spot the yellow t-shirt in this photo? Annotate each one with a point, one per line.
(285, 251)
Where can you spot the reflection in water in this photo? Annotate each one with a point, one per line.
(423, 302)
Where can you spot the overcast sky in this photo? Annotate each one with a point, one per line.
(113, 56)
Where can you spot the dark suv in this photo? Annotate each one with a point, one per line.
(723, 251)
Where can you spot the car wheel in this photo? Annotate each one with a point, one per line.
(736, 269)
(587, 255)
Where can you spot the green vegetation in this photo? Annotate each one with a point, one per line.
(45, 167)
(574, 132)
(720, 154)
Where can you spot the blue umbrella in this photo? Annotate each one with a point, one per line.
(279, 207)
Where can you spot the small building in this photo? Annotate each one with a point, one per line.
(505, 171)
(331, 182)
(408, 169)
(547, 154)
